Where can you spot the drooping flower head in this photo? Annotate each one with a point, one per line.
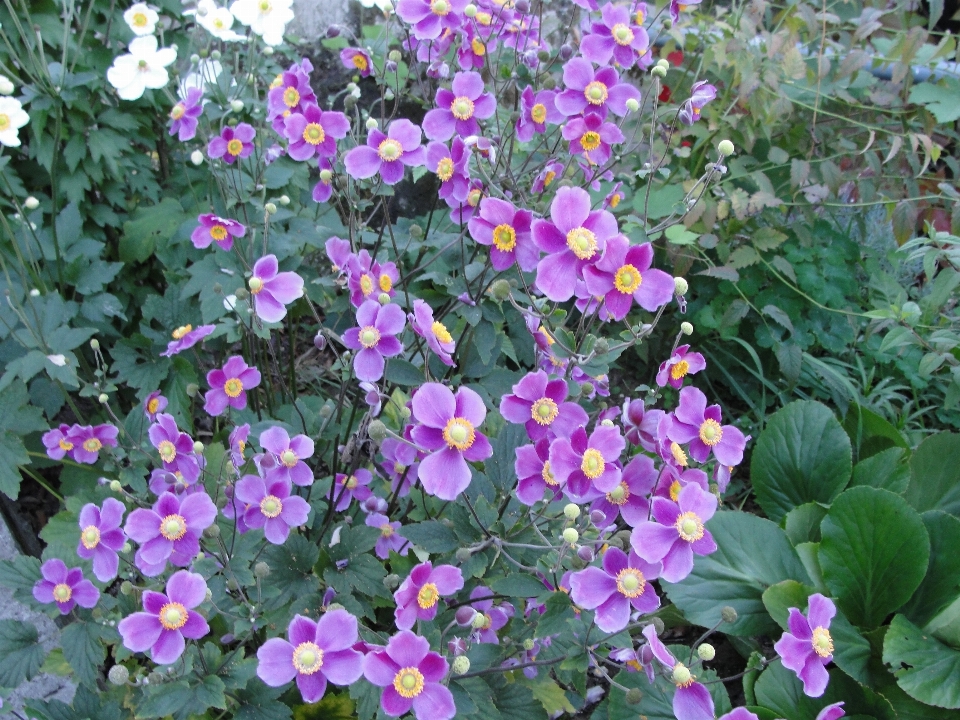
(448, 428)
(170, 530)
(592, 90)
(185, 337)
(539, 403)
(313, 654)
(232, 143)
(185, 114)
(215, 229)
(616, 36)
(357, 59)
(620, 587)
(387, 154)
(175, 448)
(419, 594)
(808, 647)
(459, 108)
(506, 231)
(101, 537)
(701, 93)
(677, 532)
(228, 386)
(390, 537)
(438, 338)
(167, 619)
(269, 505)
(154, 403)
(536, 110)
(680, 364)
(429, 18)
(238, 443)
(272, 290)
(314, 132)
(290, 454)
(88, 441)
(375, 338)
(588, 466)
(65, 587)
(695, 423)
(623, 275)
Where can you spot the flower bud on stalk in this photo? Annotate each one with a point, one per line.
(196, 157)
(211, 532)
(372, 124)
(725, 147)
(261, 570)
(706, 652)
(570, 535)
(686, 328)
(728, 614)
(680, 286)
(470, 10)
(31, 203)
(270, 208)
(571, 511)
(236, 105)
(118, 675)
(115, 486)
(463, 554)
(461, 664)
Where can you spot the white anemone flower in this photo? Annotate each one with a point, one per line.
(143, 67)
(141, 19)
(267, 18)
(12, 118)
(206, 74)
(217, 21)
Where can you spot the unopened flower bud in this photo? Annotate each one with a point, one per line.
(196, 157)
(587, 388)
(391, 581)
(216, 55)
(31, 203)
(34, 292)
(268, 51)
(394, 56)
(377, 430)
(372, 124)
(284, 200)
(241, 293)
(728, 614)
(192, 389)
(333, 31)
(261, 570)
(127, 547)
(320, 341)
(470, 10)
(658, 71)
(383, 298)
(126, 587)
(103, 399)
(194, 59)
(465, 615)
(725, 147)
(633, 105)
(198, 447)
(549, 83)
(95, 344)
(349, 102)
(154, 678)
(118, 675)
(415, 231)
(570, 535)
(566, 51)
(597, 517)
(667, 23)
(270, 208)
(500, 289)
(572, 512)
(460, 665)
(680, 286)
(326, 411)
(522, 7)
(543, 56)
(211, 531)
(634, 696)
(405, 412)
(115, 486)
(585, 553)
(706, 651)
(6, 86)
(686, 328)
(236, 105)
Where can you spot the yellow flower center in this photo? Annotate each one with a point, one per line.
(682, 677)
(265, 6)
(596, 93)
(822, 642)
(548, 178)
(483, 18)
(620, 494)
(291, 97)
(547, 474)
(440, 332)
(153, 404)
(675, 488)
(173, 616)
(473, 197)
(360, 62)
(307, 658)
(366, 284)
(369, 336)
(399, 467)
(390, 150)
(255, 284)
(313, 134)
(173, 527)
(592, 464)
(277, 82)
(218, 23)
(627, 279)
(65, 445)
(271, 506)
(428, 596)
(504, 238)
(439, 7)
(710, 432)
(615, 200)
(181, 331)
(640, 17)
(178, 111)
(478, 47)
(386, 530)
(539, 113)
(409, 681)
(630, 582)
(351, 482)
(590, 140)
(679, 370)
(544, 411)
(62, 592)
(622, 35)
(679, 456)
(139, 20)
(582, 242)
(218, 232)
(235, 147)
(289, 458)
(90, 537)
(445, 169)
(92, 445)
(462, 108)
(167, 451)
(459, 433)
(690, 526)
(233, 387)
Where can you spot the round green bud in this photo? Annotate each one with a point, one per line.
(326, 176)
(103, 399)
(95, 344)
(391, 582)
(216, 55)
(572, 512)
(218, 288)
(31, 203)
(681, 675)
(194, 59)
(686, 328)
(549, 83)
(268, 51)
(725, 147)
(261, 570)
(383, 298)
(127, 547)
(667, 23)
(543, 56)
(470, 10)
(232, 584)
(211, 532)
(664, 63)
(415, 231)
(633, 105)
(500, 289)
(270, 208)
(394, 56)
(241, 293)
(192, 389)
(404, 412)
(154, 678)
(570, 535)
(680, 286)
(372, 124)
(236, 105)
(126, 587)
(377, 430)
(335, 606)
(326, 411)
(587, 388)
(728, 614)
(115, 486)
(528, 644)
(284, 200)
(118, 675)
(349, 102)
(624, 537)
(198, 447)
(460, 665)
(706, 652)
(196, 157)
(658, 71)
(464, 554)
(616, 542)
(634, 696)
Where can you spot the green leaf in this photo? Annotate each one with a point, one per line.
(752, 554)
(86, 705)
(802, 524)
(852, 651)
(550, 695)
(779, 598)
(809, 554)
(500, 467)
(517, 585)
(559, 610)
(402, 372)
(433, 536)
(803, 455)
(21, 651)
(291, 567)
(149, 226)
(873, 553)
(83, 649)
(259, 702)
(925, 668)
(12, 455)
(780, 690)
(870, 433)
(935, 475)
(941, 584)
(888, 470)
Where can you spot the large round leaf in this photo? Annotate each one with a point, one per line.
(873, 553)
(926, 669)
(752, 554)
(780, 690)
(935, 475)
(941, 584)
(802, 456)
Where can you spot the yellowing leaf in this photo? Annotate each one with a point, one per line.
(551, 696)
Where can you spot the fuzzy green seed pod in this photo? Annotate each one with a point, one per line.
(394, 56)
(572, 512)
(261, 570)
(634, 696)
(686, 328)
(463, 555)
(680, 286)
(211, 532)
(658, 71)
(461, 664)
(95, 344)
(377, 430)
(118, 675)
(391, 582)
(706, 651)
(271, 208)
(570, 535)
(415, 231)
(192, 389)
(115, 486)
(725, 147)
(633, 105)
(500, 290)
(126, 587)
(728, 614)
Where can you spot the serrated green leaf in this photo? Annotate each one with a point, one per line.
(21, 651)
(433, 536)
(518, 585)
(550, 695)
(83, 649)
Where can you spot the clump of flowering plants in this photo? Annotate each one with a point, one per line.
(387, 468)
